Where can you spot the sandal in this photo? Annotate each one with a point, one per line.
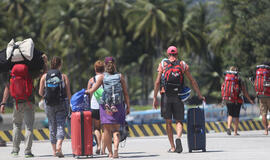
(179, 147)
(170, 151)
(98, 151)
(228, 131)
(115, 154)
(114, 109)
(59, 154)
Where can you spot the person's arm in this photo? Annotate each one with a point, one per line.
(156, 88)
(126, 97)
(243, 86)
(42, 85)
(67, 84)
(194, 84)
(90, 83)
(95, 86)
(5, 98)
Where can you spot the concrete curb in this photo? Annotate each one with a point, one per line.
(158, 129)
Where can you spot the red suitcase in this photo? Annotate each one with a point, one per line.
(81, 134)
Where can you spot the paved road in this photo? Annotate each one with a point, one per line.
(250, 145)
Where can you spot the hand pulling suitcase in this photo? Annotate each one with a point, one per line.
(81, 134)
(196, 129)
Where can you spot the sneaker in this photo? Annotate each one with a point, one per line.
(28, 155)
(229, 132)
(14, 153)
(179, 147)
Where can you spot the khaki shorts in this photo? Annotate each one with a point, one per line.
(264, 106)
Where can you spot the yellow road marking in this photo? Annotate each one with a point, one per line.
(156, 127)
(46, 131)
(207, 127)
(258, 125)
(148, 130)
(245, 124)
(214, 126)
(138, 130)
(4, 136)
(251, 125)
(38, 135)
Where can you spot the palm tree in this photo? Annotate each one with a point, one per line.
(65, 27)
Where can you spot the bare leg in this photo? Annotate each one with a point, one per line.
(229, 122)
(179, 129)
(97, 134)
(108, 138)
(116, 139)
(236, 123)
(170, 133)
(264, 121)
(59, 145)
(103, 148)
(54, 149)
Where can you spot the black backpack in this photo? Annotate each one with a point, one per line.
(124, 131)
(54, 90)
(173, 77)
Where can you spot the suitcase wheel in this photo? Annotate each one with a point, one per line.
(190, 151)
(204, 150)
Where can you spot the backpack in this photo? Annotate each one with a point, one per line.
(112, 94)
(5, 65)
(21, 83)
(79, 101)
(54, 90)
(124, 132)
(262, 81)
(174, 78)
(20, 51)
(231, 87)
(98, 93)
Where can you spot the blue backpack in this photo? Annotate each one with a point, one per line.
(79, 101)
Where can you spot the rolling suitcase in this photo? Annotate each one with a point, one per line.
(196, 129)
(81, 134)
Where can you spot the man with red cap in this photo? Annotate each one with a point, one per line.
(170, 77)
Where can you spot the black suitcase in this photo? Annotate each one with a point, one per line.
(196, 129)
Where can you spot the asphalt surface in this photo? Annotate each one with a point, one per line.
(250, 145)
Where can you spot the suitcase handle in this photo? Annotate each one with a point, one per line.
(203, 104)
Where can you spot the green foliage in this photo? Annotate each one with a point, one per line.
(210, 36)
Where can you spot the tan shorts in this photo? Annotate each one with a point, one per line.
(264, 106)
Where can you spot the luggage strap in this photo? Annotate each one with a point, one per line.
(82, 131)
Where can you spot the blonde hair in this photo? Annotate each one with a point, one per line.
(233, 68)
(110, 67)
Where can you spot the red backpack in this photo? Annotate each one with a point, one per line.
(21, 84)
(231, 87)
(262, 81)
(173, 77)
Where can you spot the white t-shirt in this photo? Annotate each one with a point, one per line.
(94, 102)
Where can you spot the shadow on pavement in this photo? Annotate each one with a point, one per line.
(207, 151)
(131, 152)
